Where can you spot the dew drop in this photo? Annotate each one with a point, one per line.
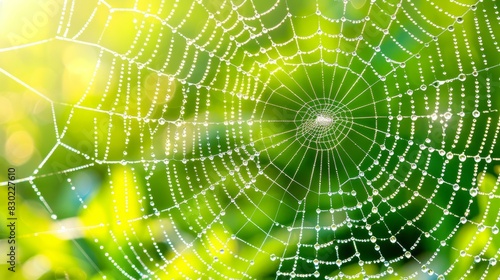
(473, 192)
(494, 230)
(462, 157)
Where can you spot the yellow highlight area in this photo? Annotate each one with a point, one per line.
(19, 147)
(36, 266)
(478, 239)
(27, 21)
(80, 60)
(6, 110)
(121, 210)
(79, 68)
(41, 254)
(215, 249)
(471, 243)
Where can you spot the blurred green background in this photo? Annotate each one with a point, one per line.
(141, 129)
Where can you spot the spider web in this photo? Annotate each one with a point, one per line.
(296, 139)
